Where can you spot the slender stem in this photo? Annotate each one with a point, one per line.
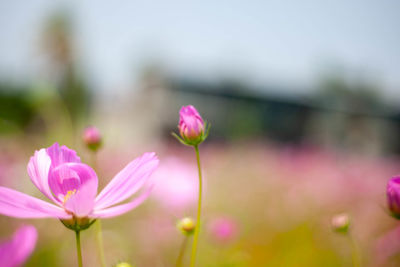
(182, 252)
(355, 254)
(99, 234)
(78, 247)
(197, 229)
(93, 160)
(99, 237)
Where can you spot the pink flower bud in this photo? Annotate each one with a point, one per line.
(92, 138)
(340, 223)
(191, 125)
(393, 196)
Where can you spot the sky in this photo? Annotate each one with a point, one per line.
(259, 42)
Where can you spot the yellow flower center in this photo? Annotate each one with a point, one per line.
(68, 195)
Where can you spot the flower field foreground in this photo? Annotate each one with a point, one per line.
(273, 207)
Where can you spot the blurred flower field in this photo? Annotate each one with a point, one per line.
(199, 134)
(277, 202)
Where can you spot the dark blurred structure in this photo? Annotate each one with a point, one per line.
(238, 113)
(339, 115)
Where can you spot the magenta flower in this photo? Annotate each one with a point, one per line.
(393, 196)
(191, 126)
(176, 187)
(72, 187)
(223, 229)
(16, 251)
(92, 138)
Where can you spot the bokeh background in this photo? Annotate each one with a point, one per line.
(303, 98)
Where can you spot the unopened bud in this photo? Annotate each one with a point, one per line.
(92, 138)
(192, 128)
(186, 226)
(123, 264)
(393, 196)
(341, 223)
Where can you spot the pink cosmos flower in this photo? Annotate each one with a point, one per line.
(191, 125)
(176, 184)
(72, 186)
(16, 251)
(223, 229)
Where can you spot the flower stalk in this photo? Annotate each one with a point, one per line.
(197, 228)
(355, 255)
(182, 251)
(186, 226)
(78, 247)
(98, 228)
(341, 224)
(100, 246)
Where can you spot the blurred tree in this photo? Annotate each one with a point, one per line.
(16, 111)
(63, 69)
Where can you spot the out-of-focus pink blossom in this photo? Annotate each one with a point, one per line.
(223, 229)
(393, 196)
(175, 184)
(92, 138)
(191, 125)
(72, 186)
(386, 247)
(340, 223)
(16, 251)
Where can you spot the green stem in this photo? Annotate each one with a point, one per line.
(182, 252)
(197, 229)
(78, 247)
(99, 234)
(93, 159)
(355, 255)
(99, 237)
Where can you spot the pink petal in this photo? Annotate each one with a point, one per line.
(60, 155)
(38, 170)
(82, 202)
(120, 209)
(16, 251)
(128, 181)
(72, 176)
(20, 205)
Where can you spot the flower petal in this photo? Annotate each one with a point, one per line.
(16, 251)
(123, 208)
(81, 203)
(38, 170)
(127, 181)
(71, 177)
(60, 155)
(20, 205)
